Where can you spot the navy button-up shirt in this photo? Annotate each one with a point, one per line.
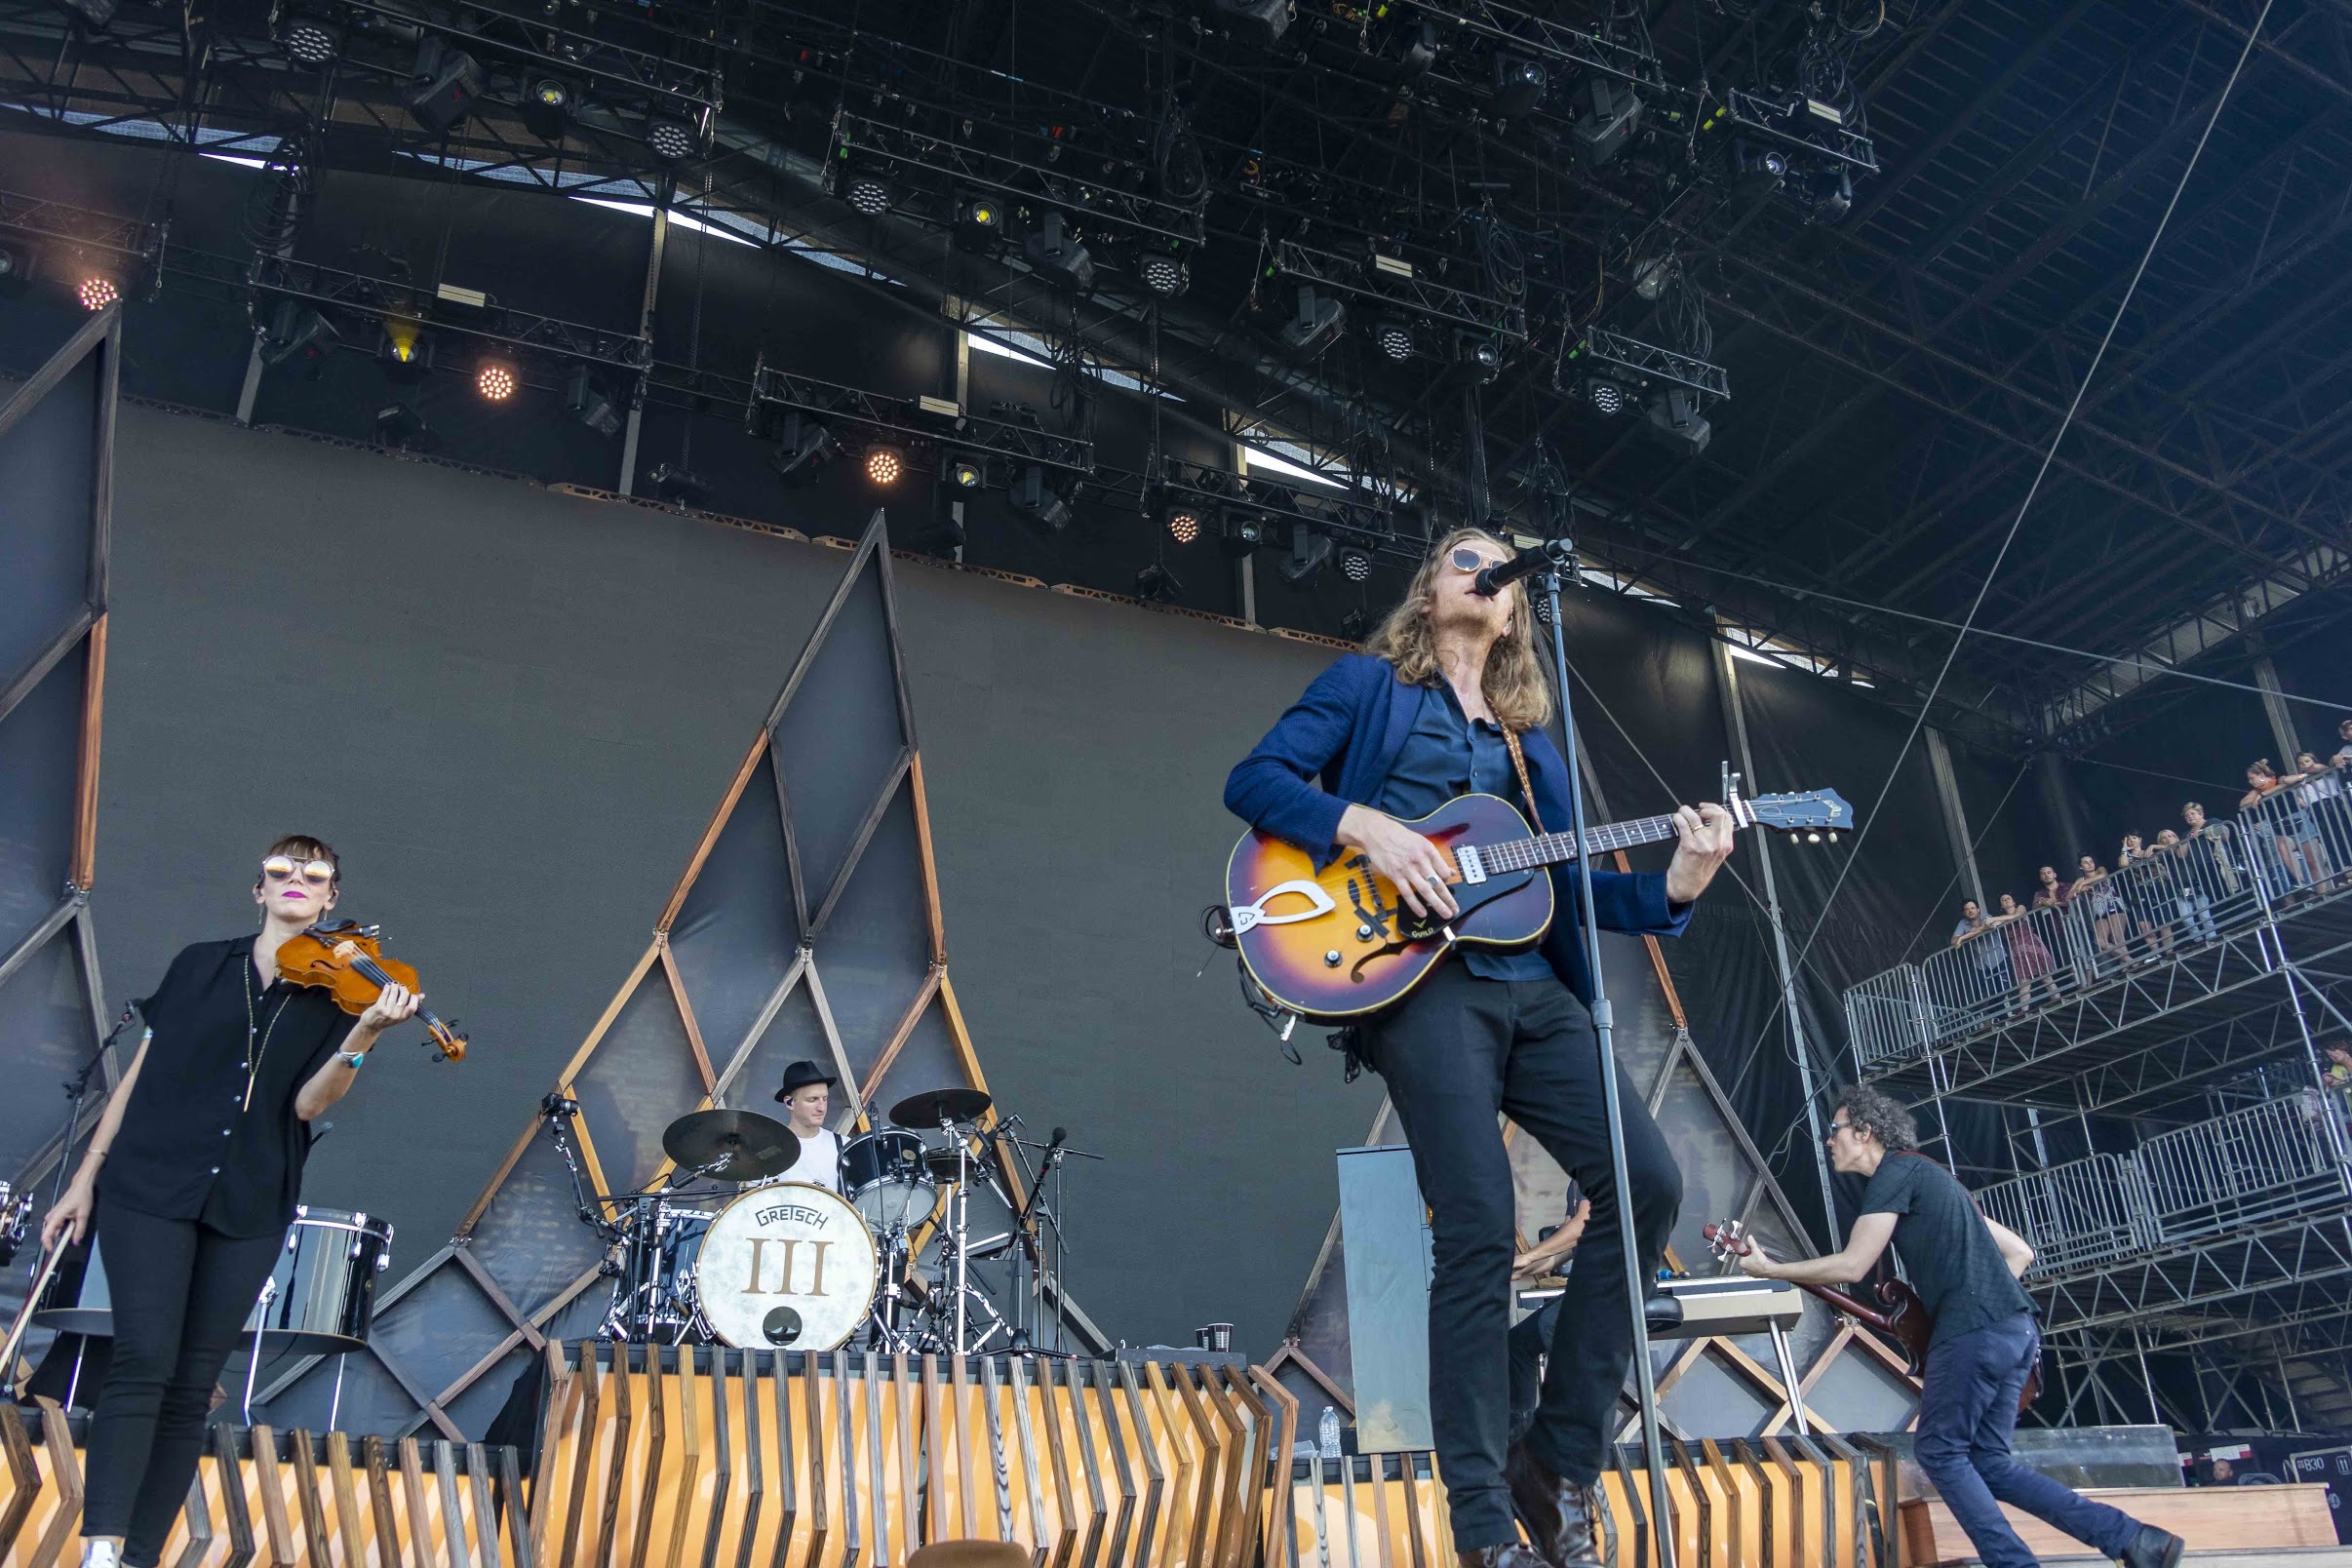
(1447, 754)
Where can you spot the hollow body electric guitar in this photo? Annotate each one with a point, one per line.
(1902, 1317)
(1336, 943)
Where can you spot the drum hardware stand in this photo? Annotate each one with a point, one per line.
(253, 1363)
(1046, 1217)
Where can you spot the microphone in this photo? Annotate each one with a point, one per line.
(1055, 1147)
(1526, 564)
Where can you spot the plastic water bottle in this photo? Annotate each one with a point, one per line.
(1330, 1432)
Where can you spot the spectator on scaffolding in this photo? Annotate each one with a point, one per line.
(2103, 906)
(2054, 895)
(2293, 836)
(2146, 900)
(2323, 794)
(1988, 954)
(2343, 732)
(2337, 1076)
(2190, 894)
(2028, 955)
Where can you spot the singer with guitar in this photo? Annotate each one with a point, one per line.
(1965, 1267)
(1449, 701)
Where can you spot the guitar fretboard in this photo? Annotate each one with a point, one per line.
(1551, 849)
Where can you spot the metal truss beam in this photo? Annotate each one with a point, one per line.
(378, 300)
(2287, 1262)
(774, 388)
(1414, 295)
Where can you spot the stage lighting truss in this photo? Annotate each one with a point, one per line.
(1639, 367)
(951, 155)
(99, 257)
(1404, 297)
(1250, 513)
(901, 423)
(1806, 128)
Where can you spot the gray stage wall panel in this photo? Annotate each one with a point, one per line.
(513, 713)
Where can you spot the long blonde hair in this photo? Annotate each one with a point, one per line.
(1513, 678)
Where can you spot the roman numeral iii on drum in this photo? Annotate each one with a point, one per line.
(789, 1246)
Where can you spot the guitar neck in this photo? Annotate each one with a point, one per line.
(1846, 1304)
(1555, 848)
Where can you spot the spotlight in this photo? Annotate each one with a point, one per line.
(400, 428)
(311, 41)
(964, 474)
(1183, 524)
(295, 327)
(1394, 334)
(586, 402)
(868, 195)
(96, 292)
(1607, 397)
(1356, 623)
(1240, 533)
(803, 446)
(1035, 499)
(1317, 320)
(681, 486)
(1519, 84)
(443, 86)
(943, 535)
(1254, 22)
(1155, 584)
(1829, 194)
(1543, 607)
(1310, 554)
(1757, 172)
(1652, 274)
(672, 139)
(547, 108)
(1607, 114)
(1675, 418)
(17, 265)
(1479, 355)
(406, 351)
(884, 465)
(1356, 564)
(496, 380)
(1054, 253)
(1165, 275)
(979, 224)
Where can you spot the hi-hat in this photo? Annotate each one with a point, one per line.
(760, 1146)
(930, 1107)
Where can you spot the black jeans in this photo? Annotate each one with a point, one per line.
(181, 1292)
(1454, 1053)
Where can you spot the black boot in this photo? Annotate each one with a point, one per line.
(1509, 1555)
(1562, 1516)
(2152, 1549)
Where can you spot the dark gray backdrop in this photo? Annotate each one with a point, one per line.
(513, 712)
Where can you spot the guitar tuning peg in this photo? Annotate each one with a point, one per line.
(1834, 835)
(1813, 838)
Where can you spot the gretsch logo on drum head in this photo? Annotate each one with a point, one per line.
(793, 1212)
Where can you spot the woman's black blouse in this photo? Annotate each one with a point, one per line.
(188, 1148)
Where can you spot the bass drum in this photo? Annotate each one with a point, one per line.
(786, 1266)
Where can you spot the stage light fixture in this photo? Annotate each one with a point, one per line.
(1543, 607)
(495, 379)
(400, 428)
(1355, 563)
(443, 86)
(1479, 355)
(1316, 322)
(1395, 336)
(1155, 584)
(1241, 532)
(979, 224)
(404, 348)
(586, 402)
(96, 291)
(884, 465)
(681, 486)
(19, 263)
(95, 13)
(670, 138)
(1356, 623)
(803, 446)
(311, 41)
(1254, 22)
(1606, 115)
(295, 327)
(1757, 172)
(1164, 275)
(1310, 554)
(1607, 397)
(1829, 194)
(1652, 274)
(965, 473)
(1055, 255)
(1183, 524)
(1674, 417)
(1519, 84)
(868, 195)
(547, 108)
(1039, 501)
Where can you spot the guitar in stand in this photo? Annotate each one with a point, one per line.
(1902, 1316)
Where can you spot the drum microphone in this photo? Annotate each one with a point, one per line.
(1526, 564)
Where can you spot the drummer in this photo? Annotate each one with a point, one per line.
(808, 1096)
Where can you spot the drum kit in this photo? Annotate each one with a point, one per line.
(742, 1245)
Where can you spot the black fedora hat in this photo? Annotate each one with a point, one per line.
(800, 1075)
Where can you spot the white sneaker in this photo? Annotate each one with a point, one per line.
(101, 1554)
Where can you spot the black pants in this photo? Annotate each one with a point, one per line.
(1454, 1053)
(183, 1293)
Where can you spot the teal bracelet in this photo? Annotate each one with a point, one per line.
(354, 1060)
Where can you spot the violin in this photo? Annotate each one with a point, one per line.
(347, 962)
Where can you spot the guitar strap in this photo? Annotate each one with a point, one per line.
(1519, 760)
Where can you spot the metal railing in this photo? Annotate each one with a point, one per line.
(2171, 898)
(2085, 1211)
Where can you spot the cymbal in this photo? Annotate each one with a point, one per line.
(761, 1146)
(930, 1107)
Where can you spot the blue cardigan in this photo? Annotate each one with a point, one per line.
(1346, 732)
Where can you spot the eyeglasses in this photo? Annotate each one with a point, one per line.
(280, 868)
(1835, 1127)
(1468, 558)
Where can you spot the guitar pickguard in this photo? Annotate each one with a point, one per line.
(1380, 914)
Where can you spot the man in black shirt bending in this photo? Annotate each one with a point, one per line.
(1965, 1267)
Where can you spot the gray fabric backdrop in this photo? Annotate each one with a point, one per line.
(513, 712)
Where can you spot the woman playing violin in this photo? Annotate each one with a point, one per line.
(190, 1181)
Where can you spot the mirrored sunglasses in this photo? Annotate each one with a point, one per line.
(282, 868)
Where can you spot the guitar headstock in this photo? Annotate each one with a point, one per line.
(1727, 1240)
(1811, 812)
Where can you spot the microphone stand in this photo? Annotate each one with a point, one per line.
(1563, 554)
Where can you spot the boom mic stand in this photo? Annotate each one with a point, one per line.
(1563, 554)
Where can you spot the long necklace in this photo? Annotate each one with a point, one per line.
(253, 1053)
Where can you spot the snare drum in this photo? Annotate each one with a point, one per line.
(785, 1266)
(886, 1180)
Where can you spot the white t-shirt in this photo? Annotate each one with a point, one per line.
(820, 1161)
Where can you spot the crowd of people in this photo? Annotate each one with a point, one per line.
(2291, 839)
